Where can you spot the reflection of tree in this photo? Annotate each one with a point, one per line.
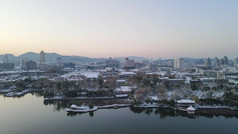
(148, 111)
(73, 114)
(229, 116)
(137, 110)
(91, 114)
(58, 105)
(209, 116)
(164, 113)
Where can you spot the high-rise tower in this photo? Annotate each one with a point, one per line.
(42, 57)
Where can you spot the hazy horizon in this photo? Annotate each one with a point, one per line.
(230, 58)
(90, 28)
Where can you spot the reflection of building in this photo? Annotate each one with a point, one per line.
(42, 57)
(179, 63)
(30, 65)
(129, 64)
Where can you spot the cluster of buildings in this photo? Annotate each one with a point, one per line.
(30, 64)
(175, 71)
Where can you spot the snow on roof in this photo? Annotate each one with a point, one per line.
(73, 106)
(90, 74)
(164, 78)
(120, 80)
(151, 73)
(74, 79)
(155, 98)
(20, 71)
(185, 101)
(121, 95)
(127, 73)
(121, 70)
(176, 79)
(124, 89)
(207, 78)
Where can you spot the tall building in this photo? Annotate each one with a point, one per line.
(208, 62)
(221, 62)
(23, 62)
(59, 63)
(236, 62)
(5, 59)
(42, 57)
(179, 63)
(225, 60)
(216, 61)
(129, 64)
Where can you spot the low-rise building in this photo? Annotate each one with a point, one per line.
(123, 90)
(69, 65)
(185, 103)
(30, 65)
(7, 66)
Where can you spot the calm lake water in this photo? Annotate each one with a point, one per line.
(29, 115)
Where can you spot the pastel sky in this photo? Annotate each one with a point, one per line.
(111, 28)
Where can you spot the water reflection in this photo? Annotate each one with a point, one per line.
(73, 114)
(58, 105)
(162, 113)
(51, 117)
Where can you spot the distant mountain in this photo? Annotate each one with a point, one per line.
(29, 56)
(51, 58)
(80, 59)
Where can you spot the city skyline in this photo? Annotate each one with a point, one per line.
(152, 29)
(118, 66)
(220, 57)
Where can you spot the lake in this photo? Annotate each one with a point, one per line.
(29, 115)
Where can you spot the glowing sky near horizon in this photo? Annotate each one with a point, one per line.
(112, 28)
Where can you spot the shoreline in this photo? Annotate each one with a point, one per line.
(84, 98)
